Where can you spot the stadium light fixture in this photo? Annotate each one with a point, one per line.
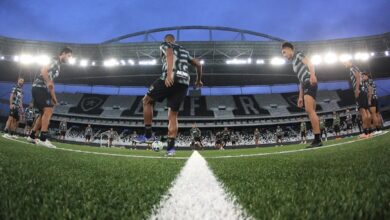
(330, 58)
(345, 57)
(43, 60)
(131, 62)
(201, 62)
(277, 61)
(2, 57)
(93, 63)
(110, 62)
(387, 53)
(26, 59)
(16, 58)
(372, 54)
(72, 61)
(236, 61)
(362, 56)
(316, 59)
(83, 63)
(123, 62)
(147, 62)
(260, 61)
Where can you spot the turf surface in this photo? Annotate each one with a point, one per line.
(41, 183)
(350, 181)
(340, 182)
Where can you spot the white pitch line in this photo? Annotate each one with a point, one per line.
(197, 194)
(293, 151)
(102, 153)
(210, 157)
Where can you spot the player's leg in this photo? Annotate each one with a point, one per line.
(8, 123)
(374, 118)
(176, 96)
(365, 122)
(35, 129)
(157, 92)
(310, 108)
(172, 129)
(148, 115)
(45, 121)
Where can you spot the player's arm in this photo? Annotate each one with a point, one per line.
(199, 72)
(11, 99)
(21, 103)
(310, 66)
(300, 97)
(370, 92)
(169, 80)
(357, 77)
(49, 83)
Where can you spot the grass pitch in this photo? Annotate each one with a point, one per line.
(349, 181)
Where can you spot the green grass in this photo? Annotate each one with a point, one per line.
(116, 150)
(351, 181)
(41, 183)
(260, 150)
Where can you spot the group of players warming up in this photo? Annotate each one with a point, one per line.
(173, 85)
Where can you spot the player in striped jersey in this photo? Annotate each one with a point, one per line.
(29, 116)
(45, 98)
(373, 103)
(172, 85)
(15, 103)
(307, 89)
(361, 96)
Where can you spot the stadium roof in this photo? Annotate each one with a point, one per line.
(212, 51)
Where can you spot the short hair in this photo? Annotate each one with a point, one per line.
(66, 50)
(288, 44)
(169, 35)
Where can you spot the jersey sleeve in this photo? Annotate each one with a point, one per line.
(164, 47)
(189, 57)
(300, 56)
(14, 90)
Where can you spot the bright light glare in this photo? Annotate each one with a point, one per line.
(330, 58)
(72, 61)
(110, 62)
(147, 62)
(84, 63)
(316, 59)
(278, 61)
(345, 57)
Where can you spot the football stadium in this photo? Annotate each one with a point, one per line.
(195, 122)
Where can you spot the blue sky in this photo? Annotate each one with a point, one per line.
(94, 21)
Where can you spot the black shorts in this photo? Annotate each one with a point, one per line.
(279, 136)
(362, 101)
(41, 98)
(218, 142)
(374, 103)
(88, 137)
(303, 133)
(349, 126)
(336, 128)
(62, 133)
(14, 113)
(175, 94)
(110, 139)
(196, 139)
(310, 90)
(29, 123)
